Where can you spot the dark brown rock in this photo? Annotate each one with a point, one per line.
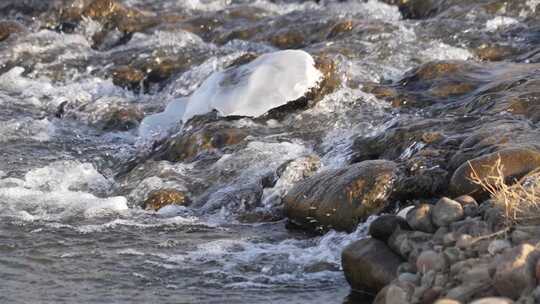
(383, 227)
(341, 198)
(515, 163)
(206, 138)
(369, 265)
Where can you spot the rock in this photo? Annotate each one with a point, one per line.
(127, 77)
(409, 244)
(498, 246)
(369, 265)
(446, 211)
(419, 218)
(164, 197)
(493, 300)
(516, 272)
(495, 218)
(464, 241)
(391, 294)
(341, 198)
(515, 163)
(201, 138)
(113, 17)
(430, 260)
(473, 226)
(290, 39)
(383, 227)
(407, 277)
(466, 292)
(430, 296)
(453, 255)
(447, 301)
(469, 204)
(9, 27)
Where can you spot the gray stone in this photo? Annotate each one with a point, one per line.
(469, 204)
(446, 211)
(430, 260)
(498, 246)
(516, 273)
(419, 218)
(493, 300)
(369, 265)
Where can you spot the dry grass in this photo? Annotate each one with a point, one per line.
(520, 201)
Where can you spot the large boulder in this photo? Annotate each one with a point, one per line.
(341, 198)
(514, 163)
(369, 265)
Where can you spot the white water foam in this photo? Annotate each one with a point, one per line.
(59, 191)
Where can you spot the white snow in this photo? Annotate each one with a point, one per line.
(160, 124)
(270, 81)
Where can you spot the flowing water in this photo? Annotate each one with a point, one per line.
(73, 179)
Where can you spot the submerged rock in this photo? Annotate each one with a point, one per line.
(341, 198)
(164, 197)
(7, 28)
(369, 265)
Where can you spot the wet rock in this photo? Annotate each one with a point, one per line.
(341, 198)
(493, 300)
(113, 17)
(515, 163)
(369, 265)
(516, 272)
(160, 198)
(493, 52)
(127, 77)
(340, 28)
(7, 28)
(201, 138)
(288, 39)
(419, 218)
(446, 211)
(383, 227)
